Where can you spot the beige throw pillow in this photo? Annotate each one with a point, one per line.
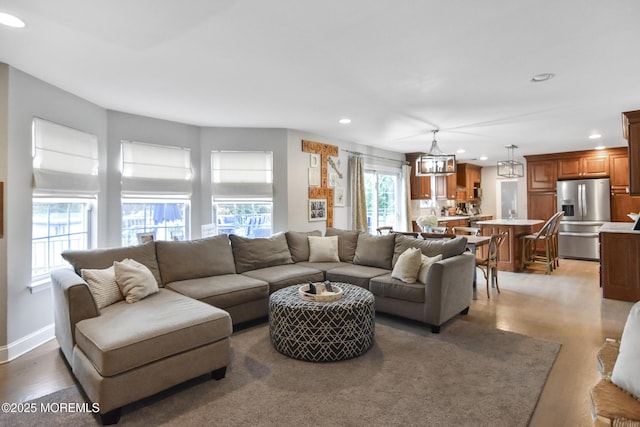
(323, 249)
(134, 279)
(408, 265)
(626, 371)
(103, 286)
(425, 265)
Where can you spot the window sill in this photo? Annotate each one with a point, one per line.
(39, 285)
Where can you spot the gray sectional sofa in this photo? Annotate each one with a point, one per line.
(123, 352)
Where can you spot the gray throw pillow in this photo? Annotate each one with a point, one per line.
(299, 244)
(192, 259)
(347, 242)
(104, 258)
(375, 251)
(251, 254)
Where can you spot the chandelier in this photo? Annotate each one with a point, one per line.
(510, 168)
(435, 162)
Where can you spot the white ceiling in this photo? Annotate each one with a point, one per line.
(397, 68)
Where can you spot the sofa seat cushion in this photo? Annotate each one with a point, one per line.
(355, 274)
(323, 266)
(223, 291)
(282, 276)
(166, 323)
(389, 287)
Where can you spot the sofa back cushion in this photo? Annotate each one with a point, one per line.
(375, 251)
(105, 257)
(347, 242)
(193, 259)
(430, 247)
(299, 244)
(251, 254)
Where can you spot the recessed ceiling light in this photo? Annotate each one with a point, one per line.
(11, 21)
(484, 158)
(542, 77)
(461, 150)
(344, 121)
(600, 147)
(595, 136)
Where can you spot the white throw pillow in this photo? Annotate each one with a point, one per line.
(425, 265)
(134, 279)
(323, 249)
(626, 371)
(103, 286)
(408, 265)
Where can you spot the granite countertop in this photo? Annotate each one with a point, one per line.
(618, 227)
(511, 222)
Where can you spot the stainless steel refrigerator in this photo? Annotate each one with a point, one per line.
(586, 206)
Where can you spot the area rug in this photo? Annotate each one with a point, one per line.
(469, 375)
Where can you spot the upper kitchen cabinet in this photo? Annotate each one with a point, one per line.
(468, 177)
(541, 174)
(446, 187)
(583, 167)
(420, 185)
(631, 132)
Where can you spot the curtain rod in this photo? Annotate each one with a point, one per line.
(375, 157)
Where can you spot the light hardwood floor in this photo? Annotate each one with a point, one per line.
(565, 307)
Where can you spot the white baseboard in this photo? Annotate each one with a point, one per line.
(26, 343)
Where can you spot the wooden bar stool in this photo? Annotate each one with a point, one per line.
(545, 235)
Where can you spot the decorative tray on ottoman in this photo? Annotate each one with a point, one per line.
(322, 294)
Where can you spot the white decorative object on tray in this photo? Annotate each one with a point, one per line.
(634, 216)
(322, 295)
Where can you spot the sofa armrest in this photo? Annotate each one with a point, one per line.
(72, 302)
(449, 288)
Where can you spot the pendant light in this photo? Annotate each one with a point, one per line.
(435, 162)
(510, 168)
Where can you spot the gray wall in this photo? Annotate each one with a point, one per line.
(29, 315)
(27, 318)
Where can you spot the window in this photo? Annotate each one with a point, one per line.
(242, 191)
(382, 193)
(65, 176)
(156, 188)
(165, 219)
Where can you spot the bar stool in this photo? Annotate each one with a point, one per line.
(554, 239)
(545, 235)
(489, 264)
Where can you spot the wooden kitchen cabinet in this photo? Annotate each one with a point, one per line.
(583, 167)
(631, 132)
(446, 187)
(619, 269)
(622, 202)
(468, 177)
(420, 185)
(541, 174)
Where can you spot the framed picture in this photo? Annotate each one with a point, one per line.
(314, 177)
(146, 237)
(314, 160)
(333, 180)
(338, 195)
(317, 209)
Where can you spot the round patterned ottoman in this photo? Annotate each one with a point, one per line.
(322, 331)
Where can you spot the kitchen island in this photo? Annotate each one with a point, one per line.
(511, 249)
(619, 267)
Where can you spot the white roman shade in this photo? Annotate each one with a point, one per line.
(241, 174)
(65, 160)
(155, 169)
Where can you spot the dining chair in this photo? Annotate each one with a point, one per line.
(489, 263)
(545, 235)
(474, 231)
(384, 230)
